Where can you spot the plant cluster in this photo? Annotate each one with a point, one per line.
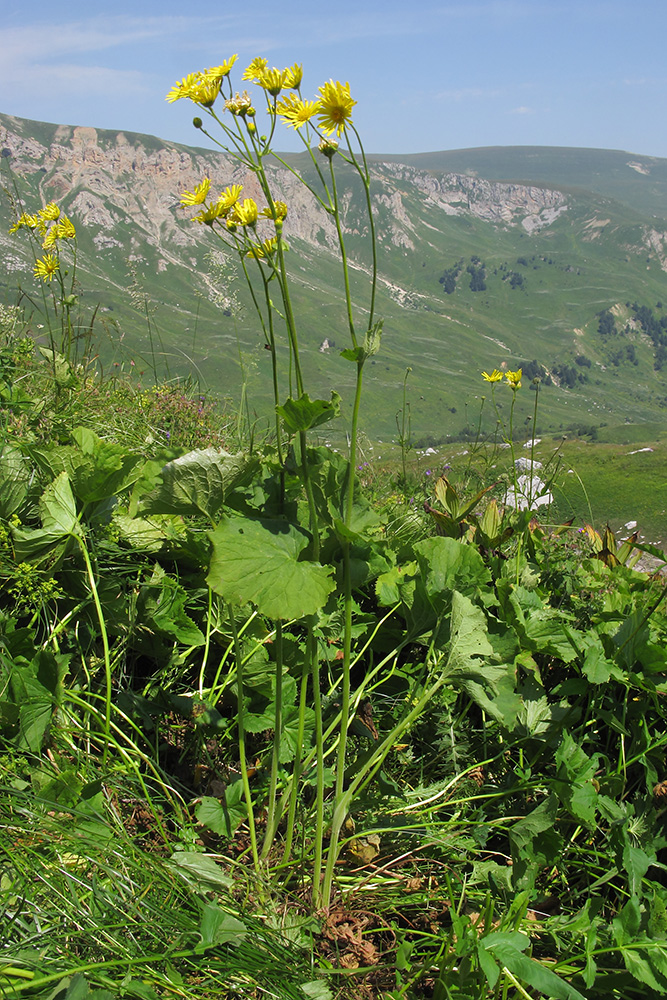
(244, 709)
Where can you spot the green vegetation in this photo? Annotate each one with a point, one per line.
(276, 722)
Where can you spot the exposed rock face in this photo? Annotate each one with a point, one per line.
(108, 180)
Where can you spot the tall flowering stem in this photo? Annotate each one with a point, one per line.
(53, 244)
(255, 233)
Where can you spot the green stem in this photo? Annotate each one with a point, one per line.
(241, 730)
(319, 761)
(105, 645)
(297, 770)
(343, 253)
(271, 819)
(370, 766)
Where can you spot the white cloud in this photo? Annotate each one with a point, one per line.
(522, 110)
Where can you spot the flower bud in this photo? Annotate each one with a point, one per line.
(197, 122)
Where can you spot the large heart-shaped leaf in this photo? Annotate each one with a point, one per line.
(257, 562)
(199, 482)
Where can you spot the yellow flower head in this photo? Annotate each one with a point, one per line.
(335, 111)
(51, 237)
(220, 72)
(296, 112)
(46, 267)
(66, 227)
(181, 88)
(280, 209)
(255, 69)
(50, 212)
(292, 76)
(240, 104)
(198, 87)
(514, 379)
(246, 212)
(198, 196)
(29, 221)
(208, 215)
(261, 251)
(495, 376)
(271, 80)
(229, 197)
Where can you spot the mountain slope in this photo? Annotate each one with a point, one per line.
(546, 257)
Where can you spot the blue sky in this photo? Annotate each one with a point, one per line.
(427, 76)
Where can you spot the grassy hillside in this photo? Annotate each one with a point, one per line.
(544, 290)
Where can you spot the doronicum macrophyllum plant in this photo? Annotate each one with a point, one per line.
(53, 240)
(254, 231)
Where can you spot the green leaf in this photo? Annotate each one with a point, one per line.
(202, 868)
(305, 413)
(218, 927)
(446, 564)
(258, 562)
(636, 863)
(57, 507)
(199, 483)
(597, 668)
(317, 990)
(490, 685)
(161, 607)
(14, 481)
(574, 781)
(528, 970)
(488, 965)
(223, 816)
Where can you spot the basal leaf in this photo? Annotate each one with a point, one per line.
(57, 507)
(529, 971)
(14, 480)
(223, 816)
(199, 482)
(202, 868)
(574, 784)
(470, 662)
(447, 564)
(257, 562)
(218, 927)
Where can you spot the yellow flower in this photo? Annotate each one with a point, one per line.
(280, 209)
(296, 112)
(292, 76)
(255, 69)
(220, 72)
(514, 379)
(335, 107)
(198, 196)
(181, 88)
(29, 221)
(67, 230)
(495, 376)
(50, 212)
(229, 197)
(262, 250)
(51, 237)
(205, 91)
(271, 80)
(198, 87)
(246, 212)
(46, 267)
(209, 214)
